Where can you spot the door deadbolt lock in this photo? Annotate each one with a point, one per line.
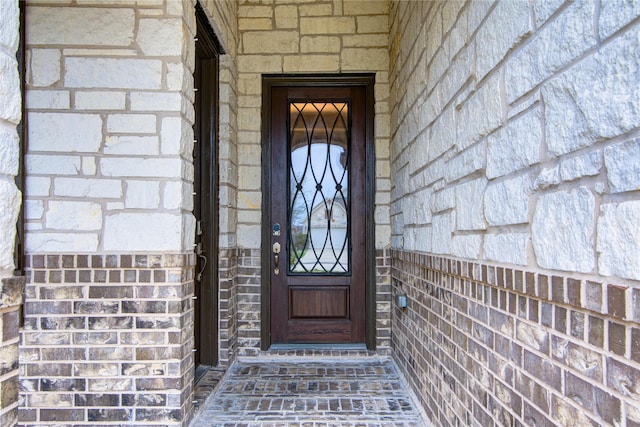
(276, 258)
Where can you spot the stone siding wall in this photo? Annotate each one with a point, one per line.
(108, 333)
(322, 36)
(515, 149)
(11, 288)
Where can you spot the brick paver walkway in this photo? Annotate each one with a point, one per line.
(310, 393)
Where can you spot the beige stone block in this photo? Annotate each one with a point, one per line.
(249, 178)
(366, 40)
(255, 24)
(80, 26)
(286, 17)
(249, 101)
(261, 63)
(255, 11)
(373, 24)
(249, 119)
(160, 36)
(251, 200)
(318, 44)
(100, 100)
(309, 63)
(271, 42)
(364, 59)
(250, 84)
(316, 10)
(250, 153)
(365, 7)
(44, 67)
(334, 25)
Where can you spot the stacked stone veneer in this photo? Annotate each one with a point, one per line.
(108, 329)
(515, 209)
(329, 37)
(11, 288)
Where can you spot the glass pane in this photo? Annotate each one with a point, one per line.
(319, 188)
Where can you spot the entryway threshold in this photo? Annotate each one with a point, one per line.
(314, 392)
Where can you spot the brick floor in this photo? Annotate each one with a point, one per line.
(310, 392)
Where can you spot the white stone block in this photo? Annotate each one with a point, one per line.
(553, 47)
(466, 246)
(178, 77)
(563, 231)
(9, 208)
(131, 123)
(469, 205)
(76, 216)
(443, 199)
(442, 230)
(132, 145)
(543, 9)
(574, 168)
(87, 188)
(124, 73)
(115, 206)
(9, 149)
(507, 202)
(43, 242)
(48, 99)
(618, 242)
(623, 166)
(176, 137)
(248, 236)
(505, 27)
(615, 14)
(155, 101)
(37, 186)
(140, 167)
(161, 37)
(466, 163)
(89, 165)
(44, 67)
(10, 31)
(598, 98)
(130, 231)
(472, 126)
(142, 194)
(172, 195)
(100, 100)
(516, 146)
(9, 89)
(508, 248)
(65, 132)
(547, 178)
(80, 26)
(33, 209)
(419, 239)
(37, 164)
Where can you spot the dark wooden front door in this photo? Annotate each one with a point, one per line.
(318, 213)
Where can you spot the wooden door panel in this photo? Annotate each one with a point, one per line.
(321, 303)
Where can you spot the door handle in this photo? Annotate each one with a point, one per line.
(200, 252)
(276, 258)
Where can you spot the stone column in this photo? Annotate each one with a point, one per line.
(11, 288)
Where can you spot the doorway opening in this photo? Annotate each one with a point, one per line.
(205, 191)
(318, 254)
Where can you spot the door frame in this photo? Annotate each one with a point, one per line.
(319, 80)
(206, 178)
